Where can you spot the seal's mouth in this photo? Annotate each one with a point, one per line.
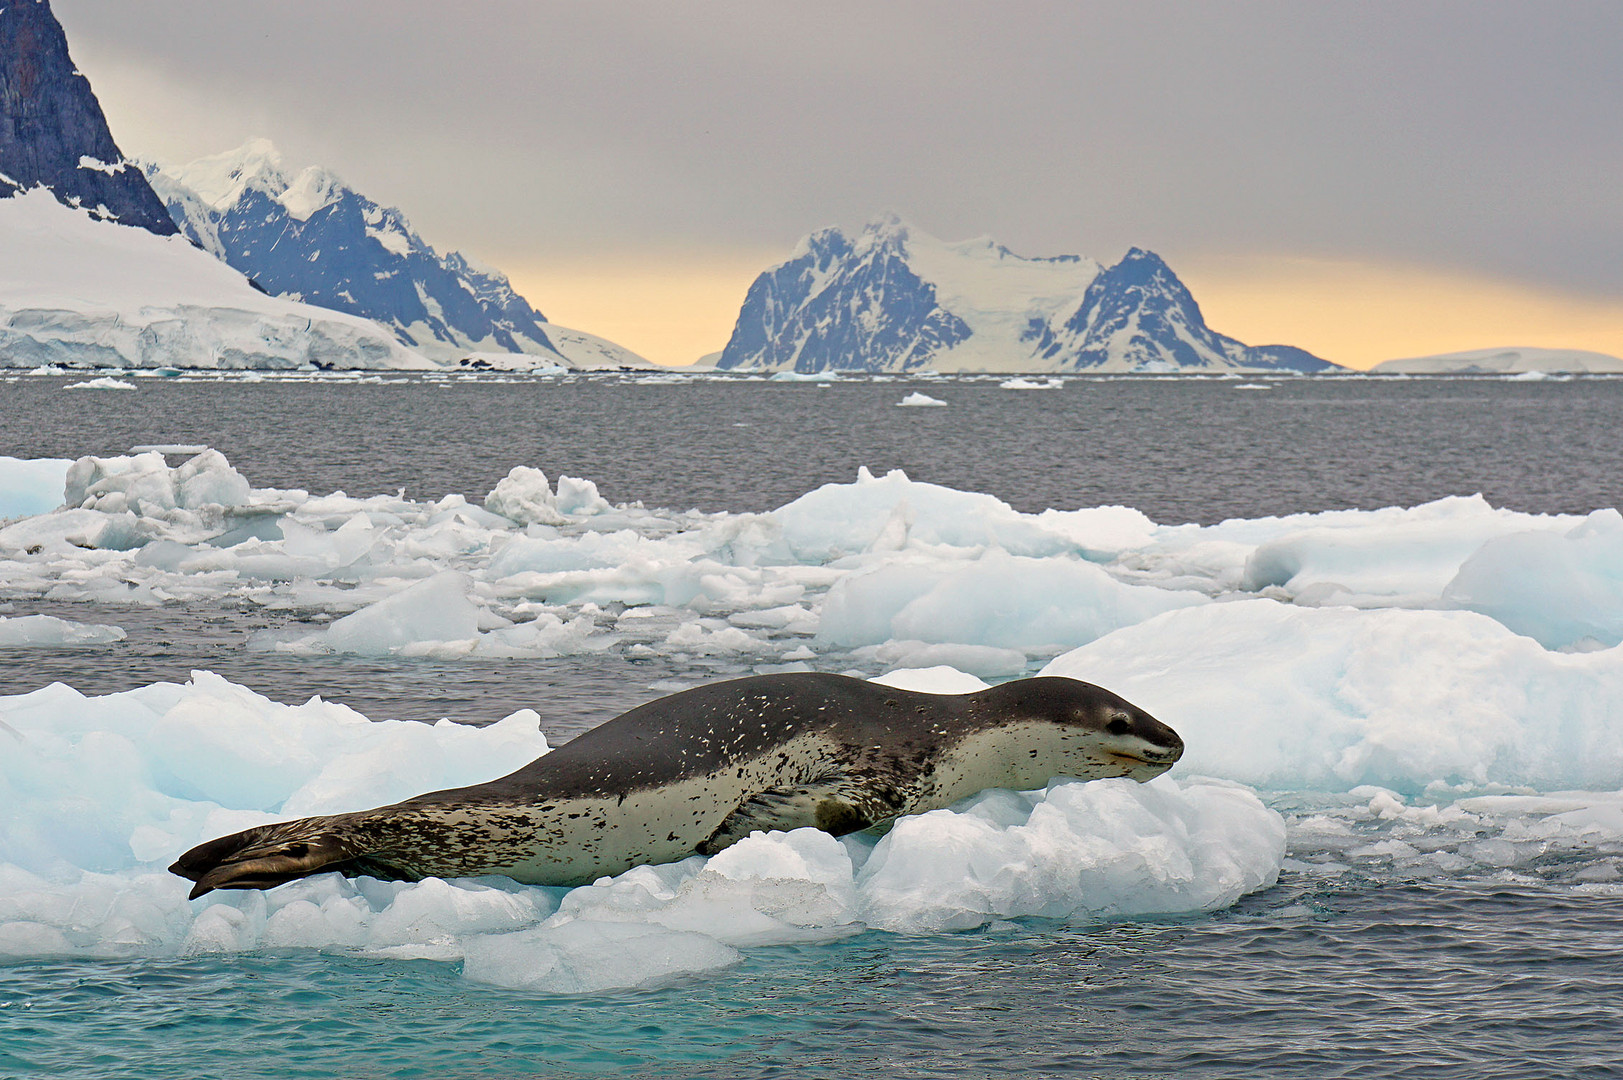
(1152, 759)
(260, 858)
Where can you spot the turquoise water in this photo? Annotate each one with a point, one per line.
(1387, 980)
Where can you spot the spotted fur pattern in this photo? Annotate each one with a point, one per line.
(700, 770)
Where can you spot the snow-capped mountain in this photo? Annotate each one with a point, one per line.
(897, 299)
(1504, 361)
(52, 131)
(92, 272)
(309, 236)
(79, 292)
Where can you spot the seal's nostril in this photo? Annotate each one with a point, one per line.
(1118, 726)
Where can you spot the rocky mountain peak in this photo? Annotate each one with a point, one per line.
(53, 132)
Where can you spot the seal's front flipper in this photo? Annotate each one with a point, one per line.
(265, 856)
(835, 804)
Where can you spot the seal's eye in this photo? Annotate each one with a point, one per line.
(1118, 725)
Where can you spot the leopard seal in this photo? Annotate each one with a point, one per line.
(699, 770)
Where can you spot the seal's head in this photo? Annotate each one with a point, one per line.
(268, 855)
(1074, 728)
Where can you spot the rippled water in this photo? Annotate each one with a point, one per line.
(1180, 450)
(1373, 974)
(1177, 449)
(1401, 981)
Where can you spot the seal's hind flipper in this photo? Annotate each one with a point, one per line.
(835, 804)
(266, 856)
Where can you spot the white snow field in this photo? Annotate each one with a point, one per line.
(81, 292)
(1503, 361)
(1409, 693)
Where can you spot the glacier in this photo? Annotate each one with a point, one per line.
(81, 292)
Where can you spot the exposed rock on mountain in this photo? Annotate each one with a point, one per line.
(52, 130)
(896, 299)
(309, 236)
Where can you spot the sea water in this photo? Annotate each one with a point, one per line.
(1445, 901)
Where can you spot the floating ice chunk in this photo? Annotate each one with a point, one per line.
(1327, 699)
(998, 600)
(579, 498)
(1106, 848)
(919, 398)
(797, 376)
(583, 957)
(932, 680)
(526, 497)
(975, 660)
(437, 609)
(1100, 532)
(888, 512)
(1561, 588)
(1391, 552)
(31, 486)
(47, 630)
(1031, 384)
(103, 383)
(144, 484)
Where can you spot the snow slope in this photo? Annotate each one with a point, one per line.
(81, 292)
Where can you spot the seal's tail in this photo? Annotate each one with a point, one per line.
(266, 856)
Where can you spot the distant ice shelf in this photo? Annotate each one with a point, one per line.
(79, 292)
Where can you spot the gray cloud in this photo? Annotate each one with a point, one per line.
(1474, 136)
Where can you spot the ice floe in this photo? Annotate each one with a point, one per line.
(104, 792)
(1429, 690)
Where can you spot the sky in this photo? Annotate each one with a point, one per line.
(1363, 180)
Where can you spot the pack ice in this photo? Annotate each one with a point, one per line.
(1434, 690)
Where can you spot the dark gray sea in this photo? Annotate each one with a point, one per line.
(1354, 977)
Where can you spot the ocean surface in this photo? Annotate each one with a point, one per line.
(1380, 971)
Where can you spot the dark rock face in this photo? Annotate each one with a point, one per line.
(1140, 311)
(311, 237)
(870, 304)
(52, 131)
(845, 307)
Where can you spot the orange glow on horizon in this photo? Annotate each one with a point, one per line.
(675, 307)
(670, 309)
(1359, 314)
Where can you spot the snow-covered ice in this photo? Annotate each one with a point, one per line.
(88, 293)
(918, 397)
(104, 792)
(104, 382)
(1429, 690)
